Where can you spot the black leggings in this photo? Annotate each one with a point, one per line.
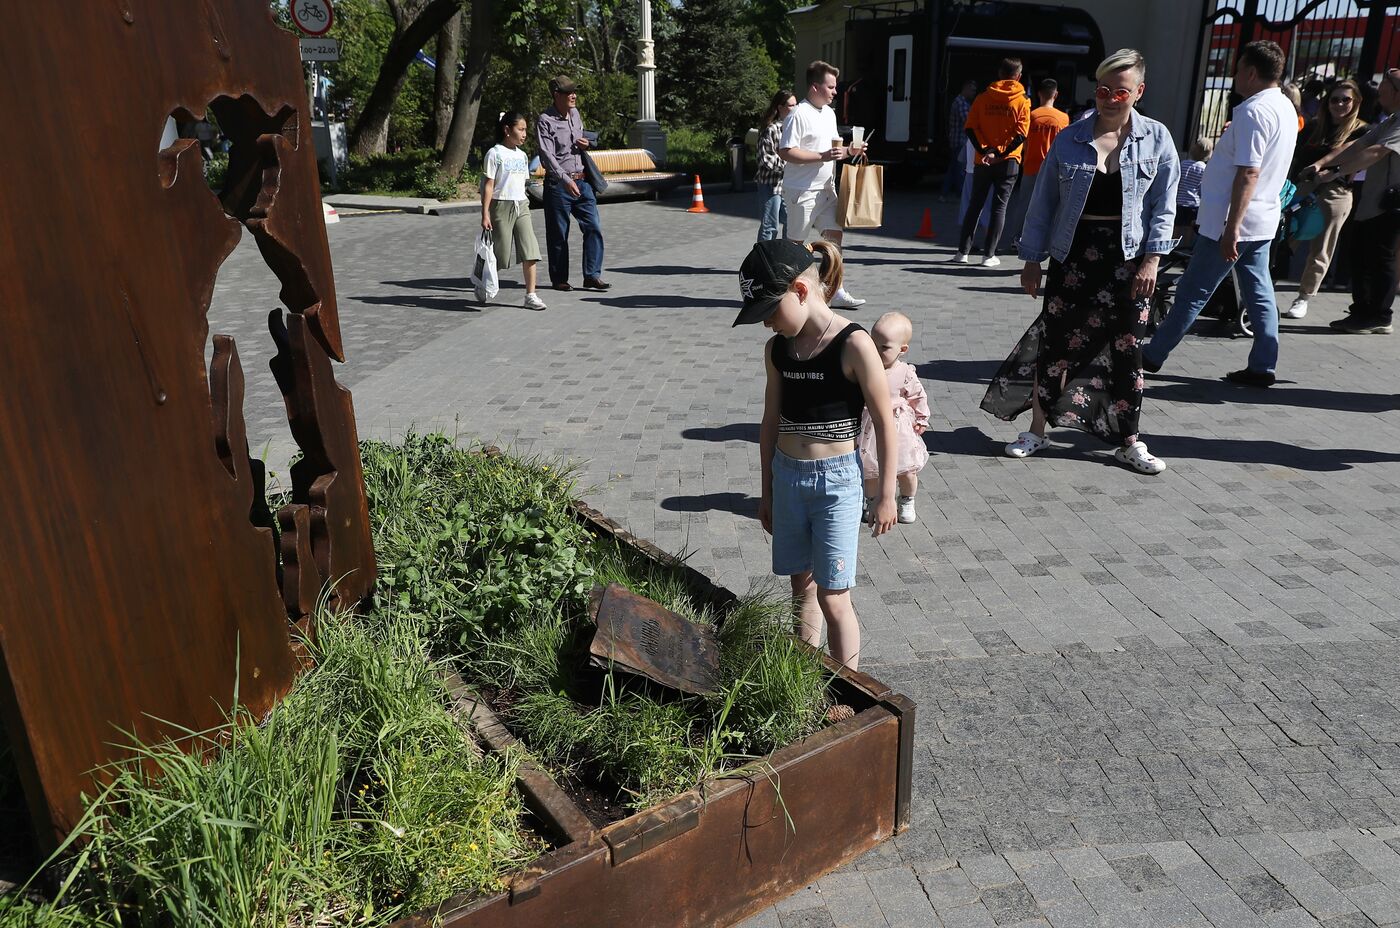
(1000, 179)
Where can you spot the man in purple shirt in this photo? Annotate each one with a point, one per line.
(567, 190)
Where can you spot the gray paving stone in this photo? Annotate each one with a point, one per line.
(1010, 905)
(1099, 705)
(1341, 870)
(1140, 872)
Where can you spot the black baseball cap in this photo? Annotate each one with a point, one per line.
(766, 275)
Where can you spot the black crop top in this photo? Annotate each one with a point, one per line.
(817, 399)
(1105, 195)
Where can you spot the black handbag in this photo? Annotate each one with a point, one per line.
(592, 174)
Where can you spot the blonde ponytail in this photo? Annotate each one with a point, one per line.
(832, 269)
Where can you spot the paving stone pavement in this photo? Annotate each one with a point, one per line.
(1143, 701)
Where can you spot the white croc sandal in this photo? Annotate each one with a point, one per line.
(1025, 445)
(1137, 457)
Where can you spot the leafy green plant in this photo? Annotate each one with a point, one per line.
(216, 171)
(696, 151)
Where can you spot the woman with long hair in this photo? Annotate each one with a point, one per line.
(1339, 123)
(769, 176)
(1102, 211)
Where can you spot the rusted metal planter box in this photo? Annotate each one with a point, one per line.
(717, 855)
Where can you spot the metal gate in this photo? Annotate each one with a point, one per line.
(1323, 39)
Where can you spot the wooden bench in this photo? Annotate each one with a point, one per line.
(630, 172)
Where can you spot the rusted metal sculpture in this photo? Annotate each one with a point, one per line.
(639, 636)
(141, 576)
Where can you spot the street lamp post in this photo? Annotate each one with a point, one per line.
(646, 131)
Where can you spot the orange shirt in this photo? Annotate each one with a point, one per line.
(1046, 123)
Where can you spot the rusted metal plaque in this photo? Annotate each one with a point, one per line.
(141, 578)
(639, 636)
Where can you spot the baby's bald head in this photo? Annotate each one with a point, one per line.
(894, 326)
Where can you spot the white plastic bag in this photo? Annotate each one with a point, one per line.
(484, 268)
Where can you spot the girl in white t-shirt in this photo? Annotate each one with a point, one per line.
(505, 211)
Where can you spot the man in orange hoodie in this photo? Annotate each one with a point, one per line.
(997, 126)
(1046, 122)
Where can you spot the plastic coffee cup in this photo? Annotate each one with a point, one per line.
(836, 142)
(857, 136)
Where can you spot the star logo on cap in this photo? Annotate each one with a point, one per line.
(746, 287)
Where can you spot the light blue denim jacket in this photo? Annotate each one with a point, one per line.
(1150, 171)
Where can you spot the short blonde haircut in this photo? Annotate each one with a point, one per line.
(1202, 148)
(903, 328)
(1122, 60)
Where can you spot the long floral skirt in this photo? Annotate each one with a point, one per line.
(1083, 353)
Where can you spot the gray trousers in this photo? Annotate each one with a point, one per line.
(1335, 203)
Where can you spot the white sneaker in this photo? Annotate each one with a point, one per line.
(960, 258)
(533, 301)
(991, 261)
(1298, 310)
(906, 509)
(843, 300)
(1137, 457)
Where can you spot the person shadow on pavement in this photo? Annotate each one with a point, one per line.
(738, 431)
(741, 504)
(1204, 390)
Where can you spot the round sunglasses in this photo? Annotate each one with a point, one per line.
(1106, 93)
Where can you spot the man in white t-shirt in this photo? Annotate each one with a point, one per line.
(810, 147)
(1239, 216)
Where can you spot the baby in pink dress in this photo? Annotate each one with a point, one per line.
(891, 334)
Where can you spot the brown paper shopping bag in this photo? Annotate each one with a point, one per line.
(862, 200)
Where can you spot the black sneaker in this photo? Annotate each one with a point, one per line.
(1351, 325)
(1249, 378)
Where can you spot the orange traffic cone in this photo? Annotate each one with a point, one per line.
(926, 230)
(697, 201)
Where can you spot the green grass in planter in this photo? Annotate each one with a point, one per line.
(359, 800)
(503, 584)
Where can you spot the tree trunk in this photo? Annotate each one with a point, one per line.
(449, 51)
(582, 29)
(371, 133)
(478, 59)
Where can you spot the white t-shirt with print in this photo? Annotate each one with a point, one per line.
(1261, 134)
(508, 167)
(809, 129)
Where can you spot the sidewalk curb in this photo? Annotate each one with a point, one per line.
(422, 206)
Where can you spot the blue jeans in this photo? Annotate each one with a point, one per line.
(1203, 274)
(774, 213)
(558, 206)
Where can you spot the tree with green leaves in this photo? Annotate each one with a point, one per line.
(364, 29)
(515, 46)
(416, 22)
(717, 77)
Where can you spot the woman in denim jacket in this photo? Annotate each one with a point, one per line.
(1102, 210)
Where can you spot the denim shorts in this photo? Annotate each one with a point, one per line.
(816, 518)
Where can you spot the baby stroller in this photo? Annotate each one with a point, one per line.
(1224, 305)
(1301, 221)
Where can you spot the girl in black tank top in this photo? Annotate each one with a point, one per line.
(818, 400)
(822, 371)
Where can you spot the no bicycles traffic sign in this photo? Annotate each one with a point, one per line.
(313, 17)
